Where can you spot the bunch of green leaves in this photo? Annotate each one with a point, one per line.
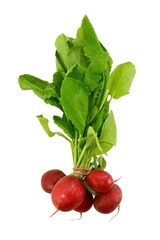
(82, 88)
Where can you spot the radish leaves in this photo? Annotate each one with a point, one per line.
(45, 124)
(29, 82)
(95, 69)
(120, 80)
(82, 88)
(74, 99)
(88, 36)
(64, 125)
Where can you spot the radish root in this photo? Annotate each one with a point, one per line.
(116, 214)
(54, 213)
(117, 179)
(77, 218)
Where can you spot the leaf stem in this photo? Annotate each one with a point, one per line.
(89, 188)
(62, 135)
(72, 149)
(95, 162)
(104, 99)
(75, 149)
(81, 156)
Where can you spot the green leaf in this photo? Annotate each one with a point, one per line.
(50, 91)
(58, 78)
(77, 54)
(76, 72)
(105, 111)
(101, 163)
(94, 151)
(74, 99)
(69, 52)
(107, 138)
(87, 34)
(45, 124)
(102, 96)
(94, 95)
(120, 80)
(64, 125)
(29, 82)
(95, 70)
(63, 49)
(91, 114)
(98, 121)
(54, 102)
(108, 133)
(92, 140)
(59, 63)
(51, 96)
(110, 62)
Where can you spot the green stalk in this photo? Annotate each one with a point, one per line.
(89, 188)
(75, 149)
(104, 99)
(72, 150)
(81, 156)
(95, 162)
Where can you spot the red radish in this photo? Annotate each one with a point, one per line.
(86, 203)
(68, 193)
(50, 178)
(108, 201)
(100, 180)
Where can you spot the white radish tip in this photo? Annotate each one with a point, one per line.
(116, 214)
(77, 218)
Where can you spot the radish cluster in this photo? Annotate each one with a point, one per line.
(73, 193)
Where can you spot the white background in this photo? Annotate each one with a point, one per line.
(130, 32)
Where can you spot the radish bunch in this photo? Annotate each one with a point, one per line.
(82, 88)
(73, 193)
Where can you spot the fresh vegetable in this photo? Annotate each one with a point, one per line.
(68, 193)
(107, 202)
(86, 203)
(50, 178)
(100, 180)
(82, 88)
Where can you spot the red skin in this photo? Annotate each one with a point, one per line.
(50, 178)
(86, 203)
(100, 180)
(68, 193)
(107, 202)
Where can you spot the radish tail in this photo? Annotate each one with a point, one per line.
(117, 179)
(77, 218)
(54, 213)
(116, 214)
